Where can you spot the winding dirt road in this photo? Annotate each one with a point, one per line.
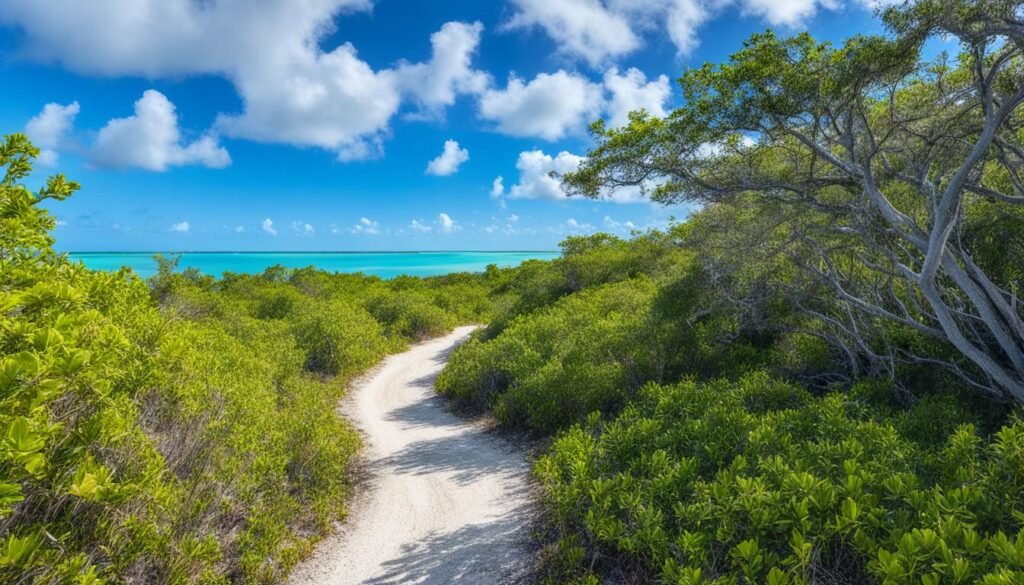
(446, 502)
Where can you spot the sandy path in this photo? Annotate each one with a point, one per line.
(446, 502)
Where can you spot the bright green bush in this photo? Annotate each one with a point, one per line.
(73, 459)
(410, 315)
(338, 338)
(587, 352)
(756, 481)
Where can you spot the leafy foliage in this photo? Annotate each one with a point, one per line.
(892, 177)
(182, 430)
(756, 481)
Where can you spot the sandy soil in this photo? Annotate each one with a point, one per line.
(445, 502)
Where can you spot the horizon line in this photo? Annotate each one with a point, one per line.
(306, 251)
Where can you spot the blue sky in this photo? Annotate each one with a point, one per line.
(353, 124)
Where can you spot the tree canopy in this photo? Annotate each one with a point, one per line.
(896, 182)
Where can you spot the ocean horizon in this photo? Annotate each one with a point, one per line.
(385, 264)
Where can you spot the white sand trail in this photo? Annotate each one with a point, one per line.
(446, 502)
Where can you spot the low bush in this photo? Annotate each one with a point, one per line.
(757, 481)
(337, 338)
(546, 370)
(410, 315)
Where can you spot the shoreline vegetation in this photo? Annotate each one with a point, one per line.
(817, 378)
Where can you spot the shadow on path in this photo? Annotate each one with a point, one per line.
(487, 553)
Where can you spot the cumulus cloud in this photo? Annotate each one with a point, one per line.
(631, 91)
(302, 228)
(448, 162)
(293, 90)
(578, 227)
(498, 187)
(49, 129)
(599, 31)
(336, 101)
(449, 72)
(535, 180)
(791, 13)
(267, 225)
(539, 178)
(603, 30)
(366, 226)
(419, 226)
(619, 226)
(553, 105)
(181, 227)
(683, 19)
(550, 106)
(150, 139)
(584, 28)
(446, 224)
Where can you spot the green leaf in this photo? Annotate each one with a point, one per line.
(45, 339)
(10, 494)
(27, 363)
(22, 439)
(19, 551)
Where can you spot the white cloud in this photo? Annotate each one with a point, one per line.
(293, 90)
(181, 227)
(437, 83)
(150, 139)
(550, 106)
(684, 18)
(448, 162)
(268, 226)
(507, 227)
(631, 92)
(239, 229)
(601, 31)
(791, 13)
(303, 229)
(332, 100)
(366, 226)
(535, 180)
(48, 130)
(498, 187)
(446, 224)
(418, 226)
(585, 28)
(336, 101)
(574, 226)
(619, 226)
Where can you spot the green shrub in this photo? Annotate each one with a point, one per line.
(756, 481)
(410, 315)
(338, 338)
(587, 352)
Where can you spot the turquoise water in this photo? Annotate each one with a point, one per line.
(382, 264)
